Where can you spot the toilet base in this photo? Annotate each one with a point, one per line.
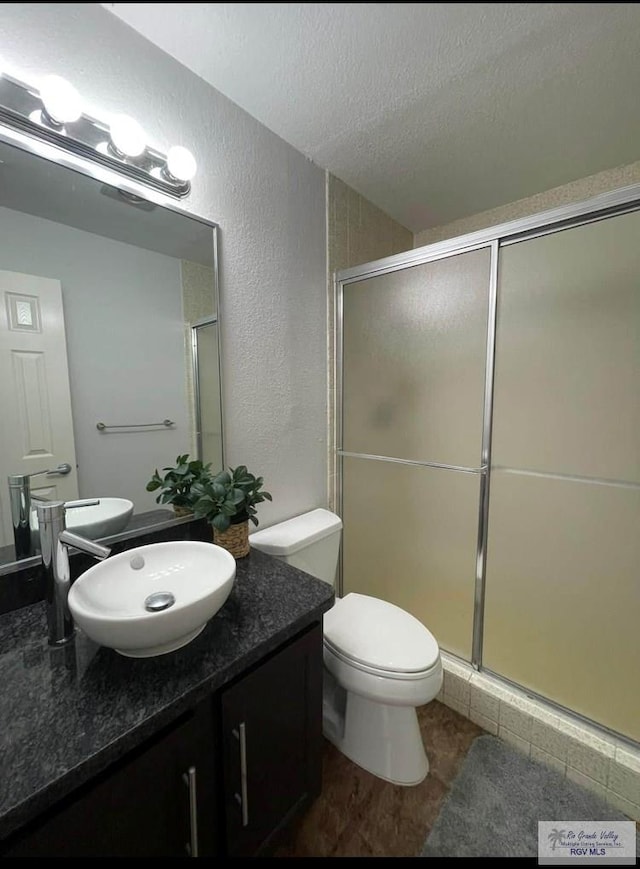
(384, 740)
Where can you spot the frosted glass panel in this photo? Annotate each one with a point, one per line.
(568, 352)
(410, 538)
(414, 360)
(562, 605)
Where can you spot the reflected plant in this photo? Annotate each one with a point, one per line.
(177, 482)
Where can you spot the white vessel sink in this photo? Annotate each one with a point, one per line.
(113, 602)
(110, 516)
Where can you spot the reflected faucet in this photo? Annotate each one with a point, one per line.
(54, 545)
(20, 499)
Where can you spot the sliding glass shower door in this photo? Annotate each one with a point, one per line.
(498, 499)
(562, 600)
(413, 368)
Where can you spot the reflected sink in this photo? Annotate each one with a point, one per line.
(152, 599)
(110, 516)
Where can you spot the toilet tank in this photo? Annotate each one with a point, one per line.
(310, 542)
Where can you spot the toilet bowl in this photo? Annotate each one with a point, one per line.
(380, 663)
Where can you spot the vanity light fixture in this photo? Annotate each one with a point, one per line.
(181, 164)
(54, 114)
(127, 137)
(61, 103)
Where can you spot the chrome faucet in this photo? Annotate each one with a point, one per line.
(54, 543)
(20, 499)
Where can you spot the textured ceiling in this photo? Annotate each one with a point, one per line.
(432, 111)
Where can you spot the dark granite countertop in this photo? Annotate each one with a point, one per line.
(66, 714)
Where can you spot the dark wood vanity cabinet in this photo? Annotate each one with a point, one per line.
(158, 801)
(272, 746)
(225, 779)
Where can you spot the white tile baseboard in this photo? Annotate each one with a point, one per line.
(607, 765)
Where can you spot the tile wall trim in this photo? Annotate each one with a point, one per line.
(608, 766)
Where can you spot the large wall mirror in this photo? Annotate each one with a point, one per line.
(109, 363)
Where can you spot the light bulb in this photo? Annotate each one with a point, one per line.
(127, 136)
(62, 103)
(181, 164)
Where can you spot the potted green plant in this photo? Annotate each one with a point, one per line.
(176, 483)
(228, 501)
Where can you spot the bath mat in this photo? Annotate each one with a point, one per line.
(497, 799)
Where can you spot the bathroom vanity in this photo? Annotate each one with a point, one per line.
(211, 750)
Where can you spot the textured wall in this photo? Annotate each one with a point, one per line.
(567, 193)
(357, 233)
(270, 204)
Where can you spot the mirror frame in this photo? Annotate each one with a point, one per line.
(105, 175)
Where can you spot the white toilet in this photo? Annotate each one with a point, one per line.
(380, 661)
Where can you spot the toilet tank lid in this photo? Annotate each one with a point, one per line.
(288, 537)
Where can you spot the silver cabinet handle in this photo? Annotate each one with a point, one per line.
(60, 470)
(243, 796)
(189, 778)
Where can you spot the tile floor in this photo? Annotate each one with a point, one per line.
(359, 815)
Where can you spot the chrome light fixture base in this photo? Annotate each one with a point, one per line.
(22, 109)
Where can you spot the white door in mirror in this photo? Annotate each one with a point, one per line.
(157, 607)
(36, 429)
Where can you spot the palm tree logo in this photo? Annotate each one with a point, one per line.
(556, 837)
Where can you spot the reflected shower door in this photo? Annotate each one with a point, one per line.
(414, 348)
(562, 599)
(207, 393)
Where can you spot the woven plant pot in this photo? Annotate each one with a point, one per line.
(235, 539)
(182, 511)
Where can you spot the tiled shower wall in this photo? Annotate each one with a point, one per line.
(575, 191)
(600, 762)
(357, 232)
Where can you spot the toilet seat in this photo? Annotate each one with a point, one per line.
(377, 671)
(379, 638)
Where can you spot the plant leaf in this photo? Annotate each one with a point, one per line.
(221, 522)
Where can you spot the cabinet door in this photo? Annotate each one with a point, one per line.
(272, 741)
(142, 807)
